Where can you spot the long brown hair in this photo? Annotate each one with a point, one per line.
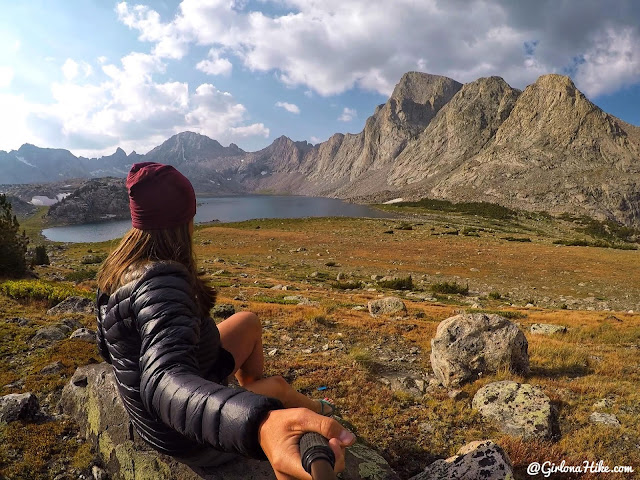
(139, 247)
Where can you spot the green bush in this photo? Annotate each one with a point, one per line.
(40, 256)
(81, 275)
(93, 259)
(397, 283)
(495, 295)
(450, 288)
(13, 245)
(39, 290)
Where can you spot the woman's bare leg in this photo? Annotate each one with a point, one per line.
(241, 335)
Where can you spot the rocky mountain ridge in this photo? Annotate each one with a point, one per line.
(547, 148)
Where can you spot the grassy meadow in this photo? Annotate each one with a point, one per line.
(513, 265)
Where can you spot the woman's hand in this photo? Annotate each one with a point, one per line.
(280, 433)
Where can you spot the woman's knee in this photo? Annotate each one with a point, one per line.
(251, 322)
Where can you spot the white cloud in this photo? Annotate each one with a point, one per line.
(348, 114)
(289, 107)
(330, 46)
(613, 62)
(215, 65)
(315, 140)
(6, 76)
(70, 69)
(131, 109)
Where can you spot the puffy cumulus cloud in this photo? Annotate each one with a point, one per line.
(217, 115)
(170, 41)
(289, 107)
(330, 46)
(6, 76)
(70, 69)
(612, 62)
(215, 65)
(348, 114)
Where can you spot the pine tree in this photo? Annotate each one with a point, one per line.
(13, 245)
(40, 256)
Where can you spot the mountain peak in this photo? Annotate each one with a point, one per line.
(553, 81)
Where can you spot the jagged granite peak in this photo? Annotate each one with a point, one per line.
(556, 152)
(460, 130)
(415, 100)
(190, 147)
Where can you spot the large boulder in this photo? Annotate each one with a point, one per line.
(92, 399)
(519, 409)
(477, 460)
(470, 345)
(18, 406)
(73, 305)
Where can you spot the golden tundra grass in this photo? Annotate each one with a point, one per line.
(598, 358)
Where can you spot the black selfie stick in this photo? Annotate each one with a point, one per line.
(317, 457)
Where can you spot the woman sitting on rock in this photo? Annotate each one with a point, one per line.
(171, 361)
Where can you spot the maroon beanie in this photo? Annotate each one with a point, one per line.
(159, 196)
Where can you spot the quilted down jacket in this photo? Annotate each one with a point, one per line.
(171, 369)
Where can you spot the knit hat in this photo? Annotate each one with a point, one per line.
(159, 196)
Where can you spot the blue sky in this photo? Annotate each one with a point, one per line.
(92, 75)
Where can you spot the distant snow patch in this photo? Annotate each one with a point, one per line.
(25, 162)
(395, 200)
(43, 201)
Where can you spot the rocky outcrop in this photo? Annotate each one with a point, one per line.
(518, 409)
(91, 398)
(477, 460)
(95, 201)
(469, 345)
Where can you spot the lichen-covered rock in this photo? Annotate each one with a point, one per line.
(386, 306)
(18, 406)
(547, 329)
(518, 409)
(73, 305)
(223, 310)
(604, 419)
(477, 460)
(91, 398)
(469, 345)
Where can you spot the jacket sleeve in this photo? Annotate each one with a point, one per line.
(171, 386)
(101, 301)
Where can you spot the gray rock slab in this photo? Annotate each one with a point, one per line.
(73, 305)
(477, 460)
(386, 306)
(18, 406)
(467, 346)
(604, 419)
(519, 409)
(547, 329)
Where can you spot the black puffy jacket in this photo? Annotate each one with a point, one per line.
(171, 369)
